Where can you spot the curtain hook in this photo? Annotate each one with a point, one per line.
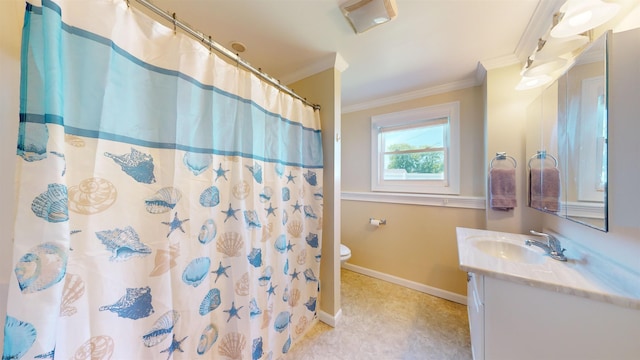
(209, 44)
(127, 1)
(174, 23)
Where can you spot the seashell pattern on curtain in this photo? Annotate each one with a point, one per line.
(169, 204)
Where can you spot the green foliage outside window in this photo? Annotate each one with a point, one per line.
(428, 162)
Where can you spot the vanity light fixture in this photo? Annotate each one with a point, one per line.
(538, 68)
(578, 16)
(552, 48)
(527, 83)
(366, 14)
(568, 34)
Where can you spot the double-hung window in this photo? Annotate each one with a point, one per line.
(417, 150)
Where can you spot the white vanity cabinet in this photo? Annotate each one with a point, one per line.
(535, 308)
(475, 308)
(511, 321)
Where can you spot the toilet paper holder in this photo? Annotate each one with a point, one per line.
(376, 222)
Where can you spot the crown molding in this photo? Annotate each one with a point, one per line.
(481, 73)
(538, 25)
(499, 62)
(334, 60)
(417, 94)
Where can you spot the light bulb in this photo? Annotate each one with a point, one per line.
(527, 83)
(581, 18)
(583, 15)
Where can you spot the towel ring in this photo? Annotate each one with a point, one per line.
(542, 154)
(503, 156)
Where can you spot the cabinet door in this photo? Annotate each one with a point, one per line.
(475, 308)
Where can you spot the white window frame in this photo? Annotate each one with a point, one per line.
(451, 183)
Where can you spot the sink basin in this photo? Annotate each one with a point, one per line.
(510, 251)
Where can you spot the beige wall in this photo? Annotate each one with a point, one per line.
(356, 129)
(419, 242)
(324, 89)
(506, 114)
(10, 32)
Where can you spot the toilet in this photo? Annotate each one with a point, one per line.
(345, 253)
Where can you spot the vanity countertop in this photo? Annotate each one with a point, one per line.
(584, 274)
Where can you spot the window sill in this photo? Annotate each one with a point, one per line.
(467, 202)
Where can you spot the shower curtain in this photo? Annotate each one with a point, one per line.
(169, 204)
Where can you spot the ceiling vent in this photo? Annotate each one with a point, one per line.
(366, 14)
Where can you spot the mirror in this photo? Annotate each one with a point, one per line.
(567, 142)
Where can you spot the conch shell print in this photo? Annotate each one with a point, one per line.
(42, 267)
(256, 171)
(51, 205)
(164, 200)
(161, 328)
(134, 304)
(123, 243)
(91, 196)
(165, 259)
(136, 164)
(310, 176)
(256, 348)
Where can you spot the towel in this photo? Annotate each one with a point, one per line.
(502, 188)
(544, 188)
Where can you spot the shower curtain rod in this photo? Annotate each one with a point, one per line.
(221, 49)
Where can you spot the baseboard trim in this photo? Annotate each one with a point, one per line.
(331, 320)
(447, 295)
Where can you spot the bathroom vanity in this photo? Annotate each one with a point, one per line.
(524, 305)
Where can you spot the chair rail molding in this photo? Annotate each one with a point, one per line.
(467, 202)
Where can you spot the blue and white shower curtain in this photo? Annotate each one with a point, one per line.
(169, 204)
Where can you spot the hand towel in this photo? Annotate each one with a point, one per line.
(502, 188)
(544, 188)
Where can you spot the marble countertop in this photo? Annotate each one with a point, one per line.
(584, 274)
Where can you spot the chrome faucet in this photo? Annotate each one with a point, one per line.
(552, 247)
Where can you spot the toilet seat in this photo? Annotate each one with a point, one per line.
(345, 252)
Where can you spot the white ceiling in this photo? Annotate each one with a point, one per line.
(432, 43)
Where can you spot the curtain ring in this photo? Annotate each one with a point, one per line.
(175, 31)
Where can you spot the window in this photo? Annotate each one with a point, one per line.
(417, 151)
